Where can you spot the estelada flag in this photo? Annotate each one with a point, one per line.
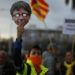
(39, 8)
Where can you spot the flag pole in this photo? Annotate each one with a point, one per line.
(39, 12)
(73, 44)
(51, 44)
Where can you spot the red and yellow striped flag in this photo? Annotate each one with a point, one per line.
(39, 8)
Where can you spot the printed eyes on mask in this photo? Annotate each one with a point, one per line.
(18, 15)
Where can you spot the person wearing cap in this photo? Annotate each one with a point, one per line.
(21, 12)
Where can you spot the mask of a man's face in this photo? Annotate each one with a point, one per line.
(21, 17)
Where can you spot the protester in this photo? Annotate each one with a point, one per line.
(49, 60)
(6, 66)
(68, 66)
(34, 59)
(21, 12)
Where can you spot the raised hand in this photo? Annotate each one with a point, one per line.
(20, 30)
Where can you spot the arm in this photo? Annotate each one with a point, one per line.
(17, 49)
(17, 52)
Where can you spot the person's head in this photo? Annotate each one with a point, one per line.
(68, 57)
(50, 49)
(35, 55)
(3, 56)
(35, 51)
(20, 12)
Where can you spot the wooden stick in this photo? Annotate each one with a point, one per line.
(51, 44)
(73, 44)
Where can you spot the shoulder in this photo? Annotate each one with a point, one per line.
(44, 68)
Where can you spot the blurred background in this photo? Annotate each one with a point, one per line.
(36, 31)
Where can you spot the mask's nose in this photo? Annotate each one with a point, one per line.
(20, 17)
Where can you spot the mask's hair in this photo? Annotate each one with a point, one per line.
(17, 5)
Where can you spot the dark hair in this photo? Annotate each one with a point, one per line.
(37, 47)
(68, 51)
(18, 5)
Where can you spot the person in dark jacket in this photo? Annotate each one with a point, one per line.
(68, 66)
(20, 12)
(6, 66)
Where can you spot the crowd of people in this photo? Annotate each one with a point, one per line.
(35, 62)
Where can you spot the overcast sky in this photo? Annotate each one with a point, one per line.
(58, 11)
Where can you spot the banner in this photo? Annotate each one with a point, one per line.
(69, 27)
